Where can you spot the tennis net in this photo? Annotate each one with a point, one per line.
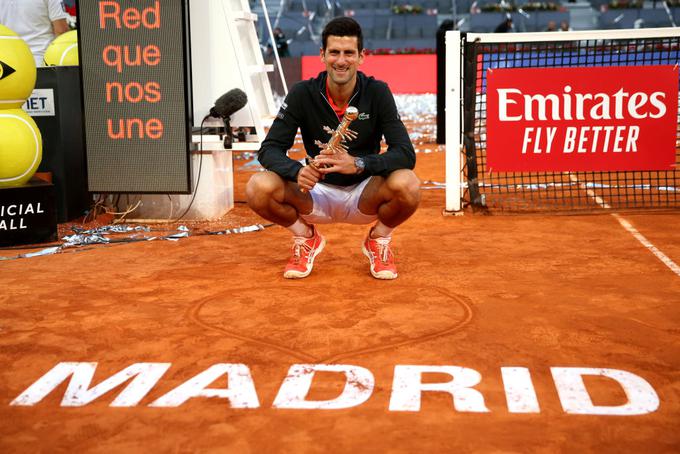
(576, 191)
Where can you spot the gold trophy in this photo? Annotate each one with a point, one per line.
(341, 134)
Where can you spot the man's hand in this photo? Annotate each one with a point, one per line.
(326, 152)
(336, 163)
(307, 177)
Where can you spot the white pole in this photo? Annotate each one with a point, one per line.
(453, 108)
(276, 51)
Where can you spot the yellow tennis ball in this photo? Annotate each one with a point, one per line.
(20, 147)
(17, 70)
(63, 51)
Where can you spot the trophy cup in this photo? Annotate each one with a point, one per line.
(340, 135)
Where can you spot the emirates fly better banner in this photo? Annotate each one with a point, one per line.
(582, 119)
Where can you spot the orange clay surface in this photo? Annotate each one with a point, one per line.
(483, 292)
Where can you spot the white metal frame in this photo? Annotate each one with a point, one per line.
(226, 54)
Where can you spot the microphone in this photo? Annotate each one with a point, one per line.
(229, 103)
(225, 106)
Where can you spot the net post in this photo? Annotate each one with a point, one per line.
(470, 68)
(453, 115)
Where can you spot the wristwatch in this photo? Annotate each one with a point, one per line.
(359, 164)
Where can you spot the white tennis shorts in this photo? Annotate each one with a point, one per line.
(338, 204)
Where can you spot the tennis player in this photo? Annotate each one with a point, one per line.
(361, 186)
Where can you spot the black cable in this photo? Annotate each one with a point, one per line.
(200, 168)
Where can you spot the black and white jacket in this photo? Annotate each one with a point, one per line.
(307, 108)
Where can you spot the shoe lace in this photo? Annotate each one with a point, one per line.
(299, 244)
(383, 248)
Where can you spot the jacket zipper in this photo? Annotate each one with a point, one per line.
(329, 104)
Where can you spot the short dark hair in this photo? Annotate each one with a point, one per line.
(343, 26)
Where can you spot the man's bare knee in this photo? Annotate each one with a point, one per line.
(404, 186)
(262, 187)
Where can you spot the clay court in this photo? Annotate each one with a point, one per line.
(480, 291)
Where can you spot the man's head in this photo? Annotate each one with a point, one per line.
(342, 50)
(343, 26)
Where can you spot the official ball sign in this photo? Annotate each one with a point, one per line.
(582, 119)
(134, 62)
(27, 214)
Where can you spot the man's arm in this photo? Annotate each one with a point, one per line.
(57, 15)
(59, 27)
(273, 152)
(400, 153)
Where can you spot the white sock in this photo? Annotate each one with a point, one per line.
(380, 230)
(300, 228)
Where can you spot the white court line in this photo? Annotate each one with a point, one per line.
(632, 230)
(646, 243)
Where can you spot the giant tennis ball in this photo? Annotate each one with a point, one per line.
(20, 147)
(63, 51)
(17, 71)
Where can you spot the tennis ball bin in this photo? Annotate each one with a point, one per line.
(56, 109)
(27, 213)
(63, 51)
(20, 140)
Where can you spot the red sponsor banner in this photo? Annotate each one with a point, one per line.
(404, 73)
(582, 119)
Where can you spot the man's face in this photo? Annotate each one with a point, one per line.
(342, 58)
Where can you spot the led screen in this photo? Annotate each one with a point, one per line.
(133, 55)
